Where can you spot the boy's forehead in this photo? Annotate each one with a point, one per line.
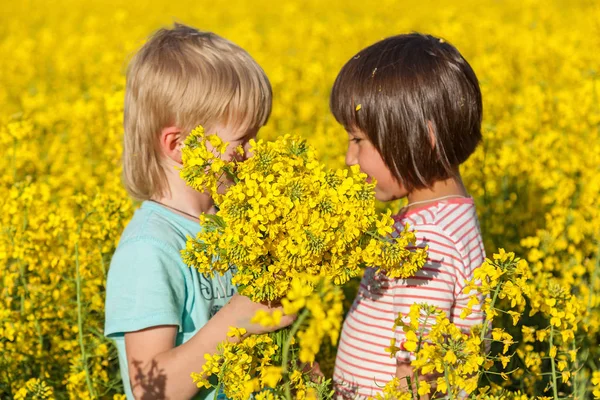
(233, 132)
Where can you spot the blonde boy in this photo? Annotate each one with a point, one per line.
(162, 315)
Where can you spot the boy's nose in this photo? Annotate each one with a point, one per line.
(247, 152)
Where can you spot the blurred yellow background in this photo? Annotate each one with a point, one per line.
(535, 179)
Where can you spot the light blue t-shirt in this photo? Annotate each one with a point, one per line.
(149, 285)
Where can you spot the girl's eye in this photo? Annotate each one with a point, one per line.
(355, 140)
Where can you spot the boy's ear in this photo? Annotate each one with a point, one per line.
(171, 141)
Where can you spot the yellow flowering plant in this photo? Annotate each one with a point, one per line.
(288, 214)
(279, 365)
(290, 229)
(483, 362)
(535, 179)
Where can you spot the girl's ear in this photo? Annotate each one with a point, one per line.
(432, 140)
(171, 141)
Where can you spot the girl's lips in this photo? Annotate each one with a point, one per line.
(369, 179)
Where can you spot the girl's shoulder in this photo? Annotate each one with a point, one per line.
(437, 212)
(454, 220)
(450, 230)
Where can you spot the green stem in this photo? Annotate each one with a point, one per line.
(286, 349)
(554, 388)
(14, 160)
(484, 328)
(88, 378)
(41, 344)
(419, 343)
(217, 390)
(24, 284)
(102, 261)
(447, 382)
(375, 235)
(22, 271)
(506, 373)
(578, 373)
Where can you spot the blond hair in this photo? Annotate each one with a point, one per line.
(184, 77)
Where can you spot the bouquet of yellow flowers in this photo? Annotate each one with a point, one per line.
(288, 215)
(291, 229)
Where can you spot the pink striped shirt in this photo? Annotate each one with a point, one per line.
(451, 230)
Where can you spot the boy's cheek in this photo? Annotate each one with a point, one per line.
(229, 154)
(233, 153)
(224, 184)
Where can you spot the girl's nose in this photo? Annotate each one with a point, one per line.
(351, 156)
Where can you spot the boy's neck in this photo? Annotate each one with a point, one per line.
(452, 187)
(180, 197)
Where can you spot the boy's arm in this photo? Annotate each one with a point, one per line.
(159, 370)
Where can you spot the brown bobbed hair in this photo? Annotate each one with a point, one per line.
(420, 106)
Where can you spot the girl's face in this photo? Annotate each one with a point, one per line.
(362, 152)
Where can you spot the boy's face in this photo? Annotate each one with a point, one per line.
(235, 137)
(362, 152)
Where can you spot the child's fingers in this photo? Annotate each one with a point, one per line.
(316, 370)
(313, 370)
(287, 320)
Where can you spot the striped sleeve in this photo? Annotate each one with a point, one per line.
(434, 284)
(455, 249)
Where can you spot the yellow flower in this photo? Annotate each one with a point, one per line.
(236, 332)
(286, 215)
(267, 319)
(535, 180)
(424, 388)
(450, 357)
(411, 341)
(271, 376)
(217, 143)
(392, 349)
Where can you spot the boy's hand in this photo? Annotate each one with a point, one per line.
(240, 310)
